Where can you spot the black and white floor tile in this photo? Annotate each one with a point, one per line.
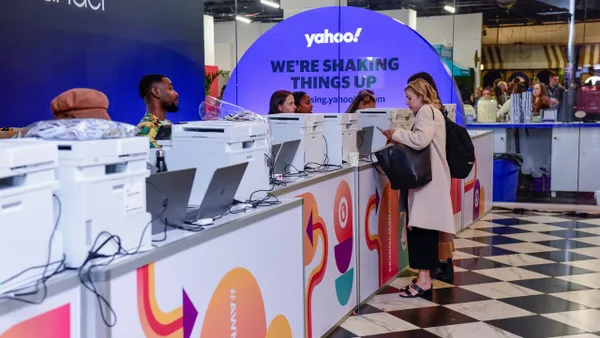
(531, 275)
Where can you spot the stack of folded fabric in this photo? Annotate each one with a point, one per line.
(515, 108)
(526, 107)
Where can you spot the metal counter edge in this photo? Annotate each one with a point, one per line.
(124, 266)
(63, 282)
(319, 177)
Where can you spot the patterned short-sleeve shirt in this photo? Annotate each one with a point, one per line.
(149, 126)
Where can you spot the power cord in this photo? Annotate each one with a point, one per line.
(18, 294)
(312, 167)
(85, 275)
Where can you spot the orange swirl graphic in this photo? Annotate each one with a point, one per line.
(155, 322)
(386, 241)
(470, 184)
(314, 230)
(373, 240)
(55, 323)
(237, 309)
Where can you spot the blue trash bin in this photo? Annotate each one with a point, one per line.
(506, 176)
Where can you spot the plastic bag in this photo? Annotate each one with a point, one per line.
(79, 130)
(215, 109)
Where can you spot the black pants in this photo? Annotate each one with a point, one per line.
(423, 244)
(423, 248)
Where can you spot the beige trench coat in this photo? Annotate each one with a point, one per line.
(430, 207)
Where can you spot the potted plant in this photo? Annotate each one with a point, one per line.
(210, 78)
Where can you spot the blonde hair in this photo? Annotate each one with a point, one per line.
(426, 91)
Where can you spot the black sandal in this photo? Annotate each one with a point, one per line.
(420, 292)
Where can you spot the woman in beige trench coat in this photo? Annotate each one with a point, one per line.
(430, 206)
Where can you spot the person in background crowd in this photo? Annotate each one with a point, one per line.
(504, 86)
(487, 93)
(282, 102)
(80, 103)
(466, 96)
(478, 95)
(502, 114)
(499, 95)
(445, 268)
(540, 99)
(160, 98)
(364, 99)
(496, 82)
(555, 90)
(302, 102)
(430, 206)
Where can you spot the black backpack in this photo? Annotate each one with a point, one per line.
(460, 152)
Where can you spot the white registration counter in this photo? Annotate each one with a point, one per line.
(292, 270)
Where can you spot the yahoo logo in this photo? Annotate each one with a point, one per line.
(328, 37)
(98, 6)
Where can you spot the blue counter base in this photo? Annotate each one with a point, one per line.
(545, 125)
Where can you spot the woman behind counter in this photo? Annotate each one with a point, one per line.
(302, 102)
(540, 99)
(430, 206)
(364, 99)
(282, 102)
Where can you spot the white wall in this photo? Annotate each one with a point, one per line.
(225, 37)
(543, 34)
(209, 40)
(406, 16)
(462, 32)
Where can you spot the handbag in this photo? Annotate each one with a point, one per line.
(405, 167)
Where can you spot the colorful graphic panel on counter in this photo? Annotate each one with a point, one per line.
(329, 255)
(55, 323)
(478, 186)
(332, 53)
(254, 289)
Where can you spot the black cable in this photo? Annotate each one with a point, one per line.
(85, 276)
(165, 205)
(17, 294)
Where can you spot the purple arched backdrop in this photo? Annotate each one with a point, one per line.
(305, 53)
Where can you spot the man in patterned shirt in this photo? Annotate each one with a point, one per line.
(160, 97)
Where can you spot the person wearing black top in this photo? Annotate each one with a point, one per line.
(445, 270)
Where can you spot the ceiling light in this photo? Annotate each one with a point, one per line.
(243, 19)
(269, 3)
(450, 9)
(481, 67)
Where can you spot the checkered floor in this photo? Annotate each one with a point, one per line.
(517, 275)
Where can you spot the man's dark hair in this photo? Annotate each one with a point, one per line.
(424, 76)
(552, 75)
(147, 82)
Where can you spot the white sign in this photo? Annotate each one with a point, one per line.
(328, 37)
(95, 5)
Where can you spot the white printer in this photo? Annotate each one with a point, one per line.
(210, 145)
(103, 193)
(339, 131)
(27, 215)
(308, 128)
(384, 118)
